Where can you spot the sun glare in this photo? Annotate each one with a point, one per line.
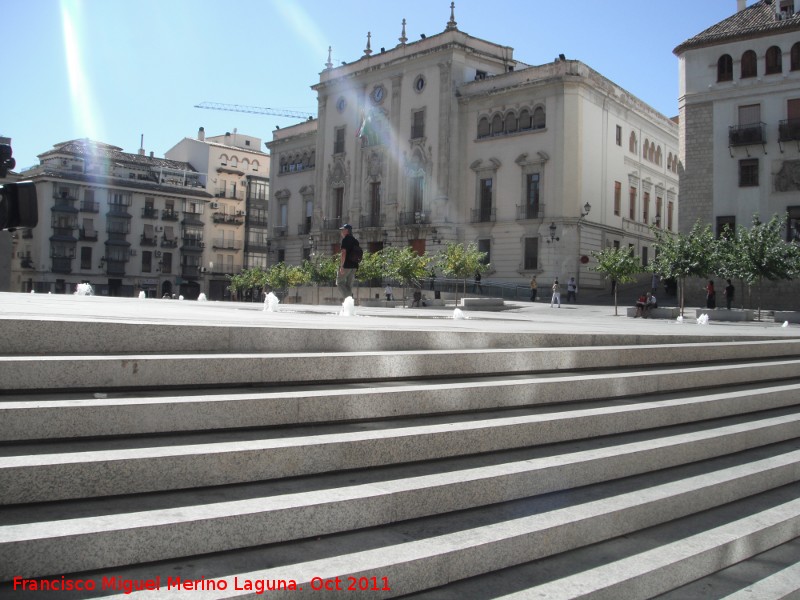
(83, 114)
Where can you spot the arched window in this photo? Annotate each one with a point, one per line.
(245, 164)
(234, 161)
(773, 61)
(669, 161)
(497, 125)
(651, 154)
(645, 148)
(524, 119)
(795, 57)
(483, 128)
(284, 166)
(511, 122)
(255, 165)
(658, 156)
(538, 121)
(632, 143)
(749, 64)
(725, 68)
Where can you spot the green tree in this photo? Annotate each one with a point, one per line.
(678, 256)
(617, 264)
(371, 268)
(321, 270)
(759, 253)
(405, 265)
(461, 262)
(252, 279)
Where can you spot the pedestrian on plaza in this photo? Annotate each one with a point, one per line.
(572, 290)
(711, 295)
(534, 288)
(556, 298)
(641, 305)
(389, 292)
(347, 264)
(729, 292)
(477, 286)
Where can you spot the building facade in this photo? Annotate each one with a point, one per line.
(236, 222)
(449, 138)
(123, 222)
(740, 123)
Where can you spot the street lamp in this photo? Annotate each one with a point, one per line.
(657, 220)
(586, 208)
(553, 237)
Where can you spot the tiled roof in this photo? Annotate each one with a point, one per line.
(756, 20)
(91, 148)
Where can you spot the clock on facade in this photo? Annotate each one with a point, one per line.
(378, 93)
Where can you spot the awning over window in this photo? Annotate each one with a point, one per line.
(148, 231)
(88, 228)
(169, 234)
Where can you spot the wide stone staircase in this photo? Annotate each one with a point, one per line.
(429, 464)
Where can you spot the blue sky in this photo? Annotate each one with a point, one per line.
(113, 70)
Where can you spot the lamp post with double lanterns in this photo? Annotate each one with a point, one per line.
(582, 258)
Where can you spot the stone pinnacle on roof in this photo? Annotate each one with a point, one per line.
(451, 24)
(368, 49)
(329, 64)
(403, 39)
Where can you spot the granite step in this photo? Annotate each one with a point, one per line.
(113, 413)
(418, 554)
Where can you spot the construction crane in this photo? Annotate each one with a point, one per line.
(258, 110)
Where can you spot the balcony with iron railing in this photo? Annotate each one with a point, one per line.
(65, 196)
(148, 212)
(169, 215)
(304, 228)
(414, 218)
(167, 243)
(371, 221)
(192, 218)
(87, 237)
(744, 135)
(192, 244)
(190, 271)
(118, 227)
(61, 264)
(222, 270)
(227, 219)
(92, 207)
(226, 244)
(257, 221)
(115, 267)
(789, 130)
(279, 231)
(148, 241)
(527, 211)
(483, 215)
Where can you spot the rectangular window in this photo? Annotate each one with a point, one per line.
(532, 193)
(485, 200)
(485, 246)
(338, 140)
(375, 199)
(338, 204)
(619, 135)
(793, 223)
(632, 204)
(644, 256)
(416, 194)
(722, 224)
(659, 213)
(418, 124)
(147, 261)
(670, 210)
(166, 263)
(646, 208)
(748, 172)
(617, 198)
(531, 254)
(749, 114)
(86, 257)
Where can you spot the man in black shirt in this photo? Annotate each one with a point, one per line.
(347, 268)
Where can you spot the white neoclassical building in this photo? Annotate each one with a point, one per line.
(450, 138)
(740, 123)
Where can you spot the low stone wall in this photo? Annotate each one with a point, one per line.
(722, 314)
(792, 316)
(662, 312)
(481, 303)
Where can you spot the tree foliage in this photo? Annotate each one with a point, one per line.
(461, 261)
(618, 264)
(678, 256)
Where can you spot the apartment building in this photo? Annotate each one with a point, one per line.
(740, 124)
(124, 222)
(236, 223)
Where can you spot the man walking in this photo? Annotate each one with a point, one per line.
(347, 266)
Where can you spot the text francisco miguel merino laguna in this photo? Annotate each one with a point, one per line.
(259, 586)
